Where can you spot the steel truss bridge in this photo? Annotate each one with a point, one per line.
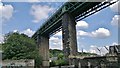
(80, 10)
(65, 18)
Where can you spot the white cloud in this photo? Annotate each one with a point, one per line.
(100, 50)
(55, 43)
(95, 49)
(82, 24)
(55, 39)
(6, 12)
(103, 50)
(99, 33)
(15, 31)
(115, 20)
(59, 33)
(115, 7)
(83, 33)
(40, 12)
(28, 32)
(114, 43)
(92, 46)
(33, 0)
(47, 0)
(84, 50)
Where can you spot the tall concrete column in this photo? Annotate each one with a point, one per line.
(44, 50)
(69, 35)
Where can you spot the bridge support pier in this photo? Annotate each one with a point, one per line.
(44, 50)
(69, 37)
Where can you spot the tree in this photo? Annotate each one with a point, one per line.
(60, 58)
(19, 46)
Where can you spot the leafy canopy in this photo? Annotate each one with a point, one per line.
(19, 46)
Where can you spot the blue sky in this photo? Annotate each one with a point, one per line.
(98, 30)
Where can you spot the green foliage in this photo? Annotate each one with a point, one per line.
(61, 58)
(55, 52)
(59, 54)
(51, 55)
(60, 62)
(19, 46)
(0, 47)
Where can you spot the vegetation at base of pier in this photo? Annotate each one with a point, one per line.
(55, 52)
(0, 47)
(60, 61)
(60, 58)
(19, 46)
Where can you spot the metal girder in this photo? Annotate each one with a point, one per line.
(52, 26)
(96, 9)
(78, 9)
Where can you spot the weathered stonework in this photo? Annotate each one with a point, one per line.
(69, 36)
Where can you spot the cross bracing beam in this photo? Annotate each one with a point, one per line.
(96, 9)
(55, 31)
(79, 10)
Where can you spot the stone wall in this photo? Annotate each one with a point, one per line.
(18, 63)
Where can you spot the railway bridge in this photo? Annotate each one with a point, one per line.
(65, 18)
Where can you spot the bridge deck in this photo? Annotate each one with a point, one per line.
(78, 9)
